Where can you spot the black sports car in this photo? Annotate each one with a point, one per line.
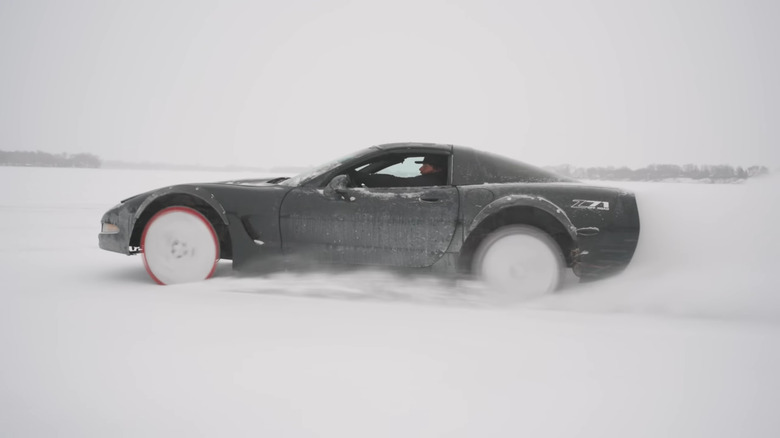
(410, 205)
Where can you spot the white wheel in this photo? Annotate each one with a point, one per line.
(179, 245)
(518, 262)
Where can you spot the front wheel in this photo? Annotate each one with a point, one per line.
(519, 262)
(179, 245)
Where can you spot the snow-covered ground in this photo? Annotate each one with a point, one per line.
(685, 343)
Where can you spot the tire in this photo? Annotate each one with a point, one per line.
(519, 262)
(179, 245)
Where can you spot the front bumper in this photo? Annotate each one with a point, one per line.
(118, 241)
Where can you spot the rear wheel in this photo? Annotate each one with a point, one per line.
(519, 262)
(179, 245)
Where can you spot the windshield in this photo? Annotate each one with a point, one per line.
(307, 176)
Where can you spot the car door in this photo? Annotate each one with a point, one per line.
(390, 226)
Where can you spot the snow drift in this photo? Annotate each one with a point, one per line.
(683, 343)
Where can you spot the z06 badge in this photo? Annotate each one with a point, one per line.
(590, 205)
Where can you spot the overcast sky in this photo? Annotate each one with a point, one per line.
(264, 83)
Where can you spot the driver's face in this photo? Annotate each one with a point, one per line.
(426, 169)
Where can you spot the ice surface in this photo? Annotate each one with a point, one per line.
(685, 343)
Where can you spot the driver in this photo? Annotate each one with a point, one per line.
(433, 172)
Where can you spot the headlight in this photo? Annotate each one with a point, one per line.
(109, 228)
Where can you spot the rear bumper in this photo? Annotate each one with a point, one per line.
(610, 252)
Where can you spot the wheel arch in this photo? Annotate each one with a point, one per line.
(535, 211)
(209, 208)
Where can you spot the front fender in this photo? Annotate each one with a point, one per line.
(195, 191)
(539, 202)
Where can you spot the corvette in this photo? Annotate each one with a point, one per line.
(517, 226)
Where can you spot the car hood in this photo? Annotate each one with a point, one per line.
(254, 181)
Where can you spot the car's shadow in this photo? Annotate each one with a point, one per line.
(348, 283)
(135, 273)
(381, 285)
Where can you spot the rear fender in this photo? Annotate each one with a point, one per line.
(525, 201)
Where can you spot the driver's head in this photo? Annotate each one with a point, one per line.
(432, 164)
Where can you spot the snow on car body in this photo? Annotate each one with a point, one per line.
(322, 216)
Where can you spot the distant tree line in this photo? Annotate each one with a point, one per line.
(44, 159)
(660, 172)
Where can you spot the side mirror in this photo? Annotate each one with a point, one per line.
(337, 187)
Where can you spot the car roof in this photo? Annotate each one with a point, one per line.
(408, 145)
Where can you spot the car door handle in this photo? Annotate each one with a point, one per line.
(430, 199)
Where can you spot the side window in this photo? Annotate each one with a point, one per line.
(403, 171)
(406, 169)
